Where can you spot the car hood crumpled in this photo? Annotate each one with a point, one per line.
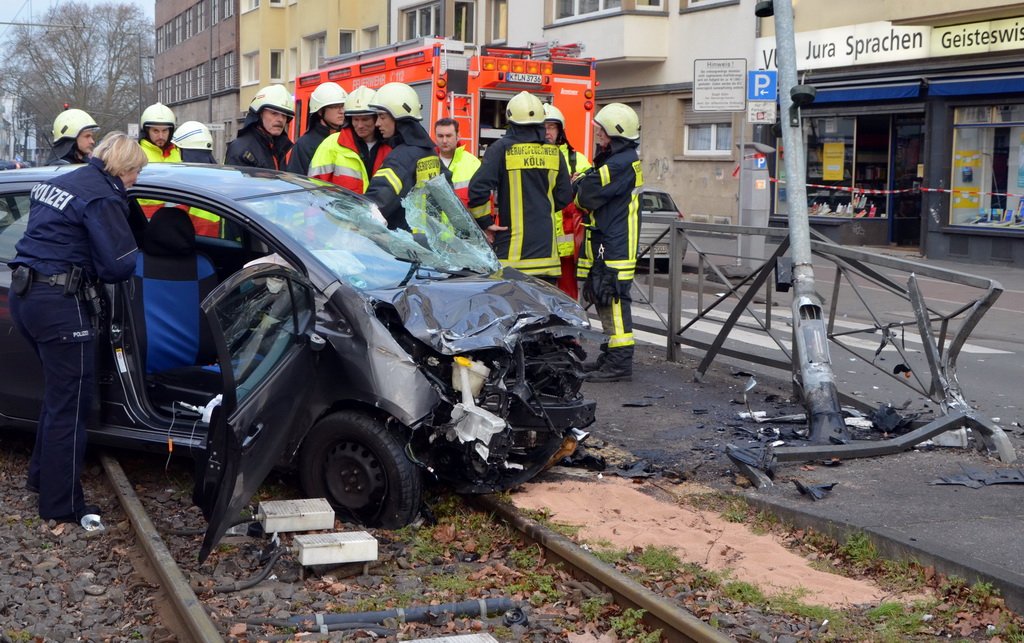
(471, 313)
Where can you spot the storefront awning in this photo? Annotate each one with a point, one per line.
(850, 94)
(975, 86)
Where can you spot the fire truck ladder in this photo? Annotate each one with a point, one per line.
(464, 117)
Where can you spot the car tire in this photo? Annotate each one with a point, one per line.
(352, 460)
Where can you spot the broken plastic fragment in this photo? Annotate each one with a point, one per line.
(815, 491)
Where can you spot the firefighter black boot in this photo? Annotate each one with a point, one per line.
(617, 367)
(590, 367)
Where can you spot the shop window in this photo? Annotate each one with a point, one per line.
(988, 166)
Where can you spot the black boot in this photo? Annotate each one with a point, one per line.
(590, 367)
(617, 367)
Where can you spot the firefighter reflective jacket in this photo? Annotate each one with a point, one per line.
(170, 154)
(463, 166)
(568, 217)
(254, 147)
(532, 182)
(342, 160)
(608, 191)
(412, 162)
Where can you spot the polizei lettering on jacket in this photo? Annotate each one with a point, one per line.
(52, 196)
(894, 41)
(532, 156)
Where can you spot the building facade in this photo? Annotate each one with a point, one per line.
(280, 39)
(196, 64)
(916, 136)
(645, 52)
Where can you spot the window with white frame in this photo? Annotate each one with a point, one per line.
(201, 16)
(251, 4)
(700, 4)
(251, 68)
(464, 22)
(423, 21)
(346, 41)
(499, 20)
(189, 88)
(293, 62)
(706, 133)
(214, 11)
(215, 77)
(229, 70)
(574, 8)
(229, 8)
(276, 65)
(201, 89)
(370, 37)
(314, 49)
(276, 3)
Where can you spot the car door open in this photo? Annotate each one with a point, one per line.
(261, 320)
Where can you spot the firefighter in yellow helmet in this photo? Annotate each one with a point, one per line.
(263, 139)
(609, 192)
(196, 145)
(350, 157)
(74, 136)
(326, 117)
(156, 129)
(569, 221)
(531, 179)
(413, 159)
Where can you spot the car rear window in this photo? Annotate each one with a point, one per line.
(656, 202)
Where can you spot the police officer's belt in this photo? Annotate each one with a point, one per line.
(54, 280)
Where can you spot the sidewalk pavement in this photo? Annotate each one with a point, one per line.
(972, 533)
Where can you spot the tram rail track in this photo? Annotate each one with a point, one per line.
(675, 623)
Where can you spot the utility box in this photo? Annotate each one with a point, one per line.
(755, 201)
(335, 548)
(306, 514)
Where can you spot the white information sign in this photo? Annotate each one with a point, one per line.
(720, 85)
(762, 112)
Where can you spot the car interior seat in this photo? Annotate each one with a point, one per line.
(170, 282)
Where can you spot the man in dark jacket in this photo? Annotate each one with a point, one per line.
(326, 117)
(263, 139)
(74, 136)
(609, 191)
(532, 182)
(413, 159)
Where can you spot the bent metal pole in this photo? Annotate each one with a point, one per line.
(810, 340)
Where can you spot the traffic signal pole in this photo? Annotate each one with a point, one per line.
(810, 340)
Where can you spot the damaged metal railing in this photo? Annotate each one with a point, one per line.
(870, 331)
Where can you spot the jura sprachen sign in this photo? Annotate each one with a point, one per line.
(880, 42)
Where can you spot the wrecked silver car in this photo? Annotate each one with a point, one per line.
(308, 335)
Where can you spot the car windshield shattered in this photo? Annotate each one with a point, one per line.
(349, 235)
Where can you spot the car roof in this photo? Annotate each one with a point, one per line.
(209, 180)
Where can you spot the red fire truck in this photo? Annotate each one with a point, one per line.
(471, 88)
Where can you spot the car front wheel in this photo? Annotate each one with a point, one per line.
(351, 459)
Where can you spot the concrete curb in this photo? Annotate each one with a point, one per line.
(896, 547)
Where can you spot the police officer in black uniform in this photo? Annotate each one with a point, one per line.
(263, 139)
(78, 235)
(609, 192)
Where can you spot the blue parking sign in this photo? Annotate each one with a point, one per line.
(762, 84)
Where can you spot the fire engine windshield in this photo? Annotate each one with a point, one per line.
(349, 236)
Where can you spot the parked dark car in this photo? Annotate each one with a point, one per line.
(366, 359)
(657, 212)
